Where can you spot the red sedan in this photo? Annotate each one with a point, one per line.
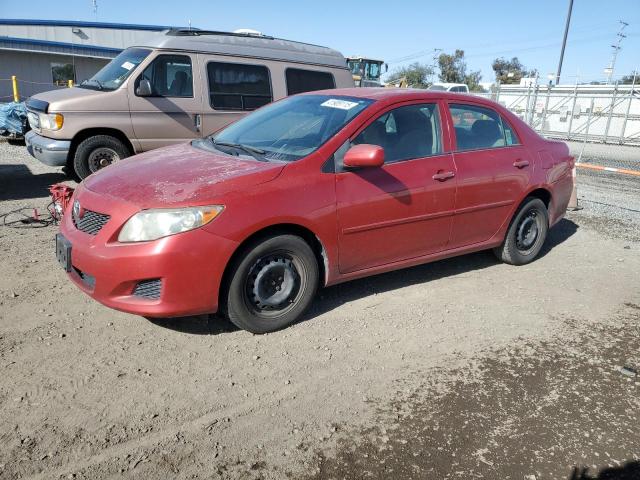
(313, 190)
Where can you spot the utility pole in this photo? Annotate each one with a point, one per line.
(95, 8)
(564, 41)
(436, 56)
(616, 48)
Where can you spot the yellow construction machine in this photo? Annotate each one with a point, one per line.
(366, 71)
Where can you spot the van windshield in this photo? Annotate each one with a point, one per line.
(111, 76)
(290, 129)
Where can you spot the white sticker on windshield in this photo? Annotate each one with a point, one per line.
(341, 104)
(128, 65)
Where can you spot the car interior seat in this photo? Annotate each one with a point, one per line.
(487, 133)
(415, 135)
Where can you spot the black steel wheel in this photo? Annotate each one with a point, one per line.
(527, 233)
(273, 282)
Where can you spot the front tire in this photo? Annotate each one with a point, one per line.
(97, 152)
(526, 235)
(273, 282)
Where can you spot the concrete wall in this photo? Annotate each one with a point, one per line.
(34, 71)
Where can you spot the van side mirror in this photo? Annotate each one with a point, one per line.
(144, 88)
(364, 156)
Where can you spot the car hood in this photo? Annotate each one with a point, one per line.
(180, 175)
(77, 99)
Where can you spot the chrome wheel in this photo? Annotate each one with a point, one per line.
(102, 157)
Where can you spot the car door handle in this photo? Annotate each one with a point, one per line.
(442, 176)
(521, 163)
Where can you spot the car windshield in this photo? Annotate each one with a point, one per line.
(111, 76)
(436, 87)
(290, 129)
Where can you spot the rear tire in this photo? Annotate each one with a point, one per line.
(272, 284)
(526, 235)
(95, 153)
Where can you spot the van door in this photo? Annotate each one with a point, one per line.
(173, 111)
(232, 89)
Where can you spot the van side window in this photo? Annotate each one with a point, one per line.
(170, 76)
(299, 81)
(235, 86)
(476, 127)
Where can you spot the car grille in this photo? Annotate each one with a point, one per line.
(148, 289)
(91, 222)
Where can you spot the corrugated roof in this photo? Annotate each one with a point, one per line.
(72, 23)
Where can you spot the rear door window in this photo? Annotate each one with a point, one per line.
(299, 81)
(235, 86)
(509, 133)
(476, 127)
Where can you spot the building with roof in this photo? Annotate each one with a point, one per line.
(46, 54)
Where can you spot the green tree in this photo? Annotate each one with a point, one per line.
(417, 74)
(511, 71)
(453, 69)
(628, 79)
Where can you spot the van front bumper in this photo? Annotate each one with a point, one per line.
(49, 151)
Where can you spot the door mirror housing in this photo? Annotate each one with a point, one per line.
(364, 156)
(144, 88)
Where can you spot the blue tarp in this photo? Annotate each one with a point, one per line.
(13, 118)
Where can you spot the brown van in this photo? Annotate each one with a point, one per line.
(180, 85)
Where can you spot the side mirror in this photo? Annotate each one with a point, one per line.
(144, 88)
(363, 156)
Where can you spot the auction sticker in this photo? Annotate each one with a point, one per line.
(128, 65)
(341, 104)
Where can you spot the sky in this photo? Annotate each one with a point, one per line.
(399, 32)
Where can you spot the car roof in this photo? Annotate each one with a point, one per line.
(245, 45)
(399, 94)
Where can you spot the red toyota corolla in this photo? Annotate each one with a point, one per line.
(313, 190)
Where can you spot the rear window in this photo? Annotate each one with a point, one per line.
(299, 81)
(235, 86)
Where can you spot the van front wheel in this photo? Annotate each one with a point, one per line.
(98, 152)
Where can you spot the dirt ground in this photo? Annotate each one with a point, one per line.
(465, 368)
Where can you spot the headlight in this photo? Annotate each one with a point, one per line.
(158, 223)
(51, 121)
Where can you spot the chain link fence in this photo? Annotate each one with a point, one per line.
(598, 113)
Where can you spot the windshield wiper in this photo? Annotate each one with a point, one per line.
(256, 153)
(98, 83)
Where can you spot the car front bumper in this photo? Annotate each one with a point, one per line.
(49, 151)
(187, 268)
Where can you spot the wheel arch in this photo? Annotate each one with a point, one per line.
(92, 132)
(541, 193)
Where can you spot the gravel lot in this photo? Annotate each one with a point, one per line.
(465, 368)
